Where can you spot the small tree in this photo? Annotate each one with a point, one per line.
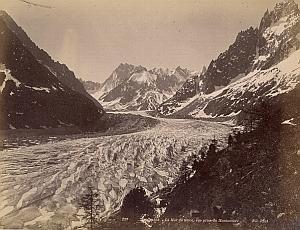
(230, 140)
(91, 205)
(212, 153)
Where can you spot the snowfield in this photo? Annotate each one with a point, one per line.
(279, 79)
(40, 185)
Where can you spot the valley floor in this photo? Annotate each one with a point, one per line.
(40, 185)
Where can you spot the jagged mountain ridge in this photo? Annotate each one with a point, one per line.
(132, 87)
(32, 96)
(260, 65)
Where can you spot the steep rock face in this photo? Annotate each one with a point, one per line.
(121, 74)
(261, 64)
(32, 96)
(182, 97)
(279, 31)
(268, 84)
(234, 61)
(132, 87)
(61, 71)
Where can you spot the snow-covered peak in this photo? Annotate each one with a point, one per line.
(129, 67)
(269, 51)
(161, 71)
(136, 88)
(280, 35)
(120, 75)
(286, 7)
(143, 78)
(281, 12)
(183, 74)
(124, 66)
(181, 71)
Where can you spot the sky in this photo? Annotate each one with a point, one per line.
(92, 37)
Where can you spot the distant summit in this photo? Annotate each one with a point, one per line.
(132, 87)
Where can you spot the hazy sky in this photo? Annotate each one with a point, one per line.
(93, 36)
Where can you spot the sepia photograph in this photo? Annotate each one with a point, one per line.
(150, 114)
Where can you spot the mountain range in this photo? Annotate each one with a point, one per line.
(132, 87)
(253, 178)
(261, 65)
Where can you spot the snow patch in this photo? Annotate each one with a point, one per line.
(11, 126)
(8, 77)
(199, 113)
(288, 122)
(39, 88)
(280, 215)
(143, 78)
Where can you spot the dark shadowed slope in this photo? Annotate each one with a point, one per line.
(32, 96)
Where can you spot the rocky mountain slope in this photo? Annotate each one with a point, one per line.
(132, 87)
(262, 64)
(61, 71)
(33, 93)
